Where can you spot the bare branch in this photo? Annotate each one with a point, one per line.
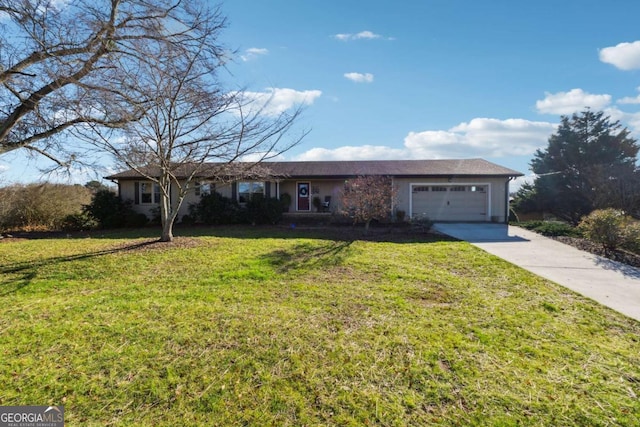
(87, 56)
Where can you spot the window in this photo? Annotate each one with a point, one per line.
(204, 188)
(439, 188)
(149, 193)
(477, 188)
(459, 188)
(420, 188)
(247, 189)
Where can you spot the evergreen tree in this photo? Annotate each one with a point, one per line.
(587, 156)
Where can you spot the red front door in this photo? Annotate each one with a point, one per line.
(303, 196)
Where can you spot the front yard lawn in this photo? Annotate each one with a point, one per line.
(242, 326)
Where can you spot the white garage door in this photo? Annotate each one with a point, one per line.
(450, 202)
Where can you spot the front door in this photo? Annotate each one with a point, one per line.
(303, 196)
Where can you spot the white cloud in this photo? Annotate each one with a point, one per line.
(362, 35)
(571, 102)
(362, 152)
(359, 77)
(253, 53)
(262, 156)
(630, 99)
(274, 101)
(481, 137)
(625, 56)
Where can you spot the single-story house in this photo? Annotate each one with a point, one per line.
(442, 190)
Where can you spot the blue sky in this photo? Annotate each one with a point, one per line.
(431, 79)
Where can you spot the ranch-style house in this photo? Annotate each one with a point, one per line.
(465, 190)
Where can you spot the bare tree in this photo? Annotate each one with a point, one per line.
(69, 64)
(192, 128)
(368, 197)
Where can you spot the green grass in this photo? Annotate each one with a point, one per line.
(263, 327)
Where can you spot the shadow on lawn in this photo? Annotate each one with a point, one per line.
(331, 252)
(330, 232)
(308, 255)
(27, 271)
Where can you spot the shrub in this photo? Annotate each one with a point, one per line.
(135, 220)
(555, 229)
(156, 218)
(551, 228)
(607, 227)
(79, 222)
(263, 210)
(285, 201)
(422, 222)
(215, 209)
(530, 225)
(40, 206)
(631, 240)
(110, 211)
(188, 220)
(107, 209)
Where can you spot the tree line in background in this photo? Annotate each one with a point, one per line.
(42, 207)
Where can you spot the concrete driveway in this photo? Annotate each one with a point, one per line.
(608, 282)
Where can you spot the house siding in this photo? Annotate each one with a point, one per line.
(497, 201)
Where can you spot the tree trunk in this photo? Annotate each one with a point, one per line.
(166, 217)
(366, 227)
(167, 230)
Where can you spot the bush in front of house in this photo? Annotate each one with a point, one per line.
(285, 201)
(111, 212)
(421, 222)
(263, 210)
(215, 209)
(610, 228)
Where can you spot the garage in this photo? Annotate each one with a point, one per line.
(450, 202)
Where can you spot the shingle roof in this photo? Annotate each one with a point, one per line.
(341, 169)
(393, 168)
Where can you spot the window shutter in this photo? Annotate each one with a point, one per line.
(136, 192)
(267, 189)
(234, 191)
